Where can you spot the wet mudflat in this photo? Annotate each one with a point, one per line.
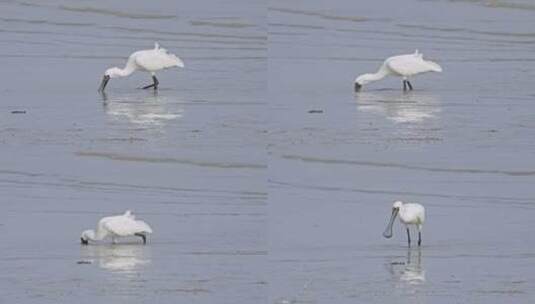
(461, 144)
(189, 159)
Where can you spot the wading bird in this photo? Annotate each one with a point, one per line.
(146, 60)
(117, 226)
(404, 66)
(409, 214)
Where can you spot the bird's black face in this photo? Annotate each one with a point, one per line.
(104, 82)
(358, 86)
(84, 241)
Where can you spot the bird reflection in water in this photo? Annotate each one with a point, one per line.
(123, 258)
(147, 110)
(414, 107)
(410, 272)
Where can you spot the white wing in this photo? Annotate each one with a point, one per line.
(124, 225)
(408, 65)
(144, 227)
(416, 211)
(157, 59)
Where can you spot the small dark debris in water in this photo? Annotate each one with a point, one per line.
(397, 263)
(196, 131)
(18, 112)
(493, 131)
(83, 262)
(315, 111)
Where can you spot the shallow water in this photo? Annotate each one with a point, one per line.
(461, 144)
(189, 159)
(266, 95)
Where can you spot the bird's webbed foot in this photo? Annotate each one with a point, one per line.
(153, 85)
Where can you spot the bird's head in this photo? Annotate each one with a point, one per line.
(397, 205)
(361, 80)
(113, 72)
(86, 236)
(110, 73)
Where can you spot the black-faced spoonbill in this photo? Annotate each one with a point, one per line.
(409, 214)
(403, 66)
(146, 60)
(117, 226)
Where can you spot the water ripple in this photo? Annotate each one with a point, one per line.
(519, 202)
(170, 160)
(120, 14)
(322, 15)
(409, 167)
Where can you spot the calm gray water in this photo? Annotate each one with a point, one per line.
(190, 160)
(252, 198)
(462, 144)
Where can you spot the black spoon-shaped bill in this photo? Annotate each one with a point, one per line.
(103, 83)
(388, 231)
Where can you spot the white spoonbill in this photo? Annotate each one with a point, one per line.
(409, 214)
(117, 226)
(146, 60)
(403, 66)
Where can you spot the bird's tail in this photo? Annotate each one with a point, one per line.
(171, 60)
(178, 61)
(433, 66)
(143, 227)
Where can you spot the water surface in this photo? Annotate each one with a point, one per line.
(460, 143)
(188, 159)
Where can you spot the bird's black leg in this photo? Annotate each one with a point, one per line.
(404, 85)
(154, 84)
(419, 238)
(409, 236)
(409, 84)
(142, 236)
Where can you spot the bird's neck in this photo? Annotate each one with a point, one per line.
(91, 235)
(96, 236)
(380, 74)
(126, 71)
(401, 212)
(129, 68)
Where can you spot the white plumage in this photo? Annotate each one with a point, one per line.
(117, 226)
(150, 61)
(409, 214)
(155, 59)
(404, 66)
